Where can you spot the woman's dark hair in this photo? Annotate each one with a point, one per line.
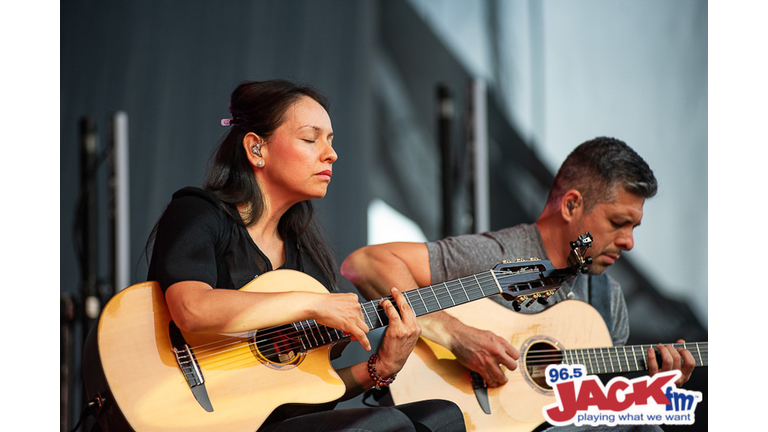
(260, 107)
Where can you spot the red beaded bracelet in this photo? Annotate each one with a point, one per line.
(378, 381)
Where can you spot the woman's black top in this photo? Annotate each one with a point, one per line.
(198, 240)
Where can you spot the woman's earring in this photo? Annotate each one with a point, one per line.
(260, 164)
(256, 149)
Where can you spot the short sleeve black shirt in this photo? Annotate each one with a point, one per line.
(198, 240)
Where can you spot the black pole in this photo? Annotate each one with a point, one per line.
(112, 208)
(67, 334)
(444, 118)
(88, 223)
(87, 306)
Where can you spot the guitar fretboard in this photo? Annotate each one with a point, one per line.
(626, 358)
(423, 301)
(526, 280)
(436, 297)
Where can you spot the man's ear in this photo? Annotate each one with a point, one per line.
(570, 204)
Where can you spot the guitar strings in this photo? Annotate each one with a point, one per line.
(554, 356)
(546, 354)
(311, 328)
(617, 356)
(441, 295)
(443, 291)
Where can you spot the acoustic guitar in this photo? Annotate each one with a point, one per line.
(143, 373)
(570, 332)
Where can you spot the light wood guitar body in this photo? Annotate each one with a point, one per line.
(572, 327)
(141, 375)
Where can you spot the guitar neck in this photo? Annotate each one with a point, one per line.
(436, 297)
(625, 359)
(423, 301)
(519, 281)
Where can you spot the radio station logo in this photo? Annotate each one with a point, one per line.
(584, 400)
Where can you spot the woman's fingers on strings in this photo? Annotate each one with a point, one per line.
(406, 312)
(390, 309)
(357, 329)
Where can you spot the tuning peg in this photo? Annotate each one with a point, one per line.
(516, 305)
(544, 300)
(588, 260)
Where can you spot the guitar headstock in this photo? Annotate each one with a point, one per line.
(534, 280)
(576, 258)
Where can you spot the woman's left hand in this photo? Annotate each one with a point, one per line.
(400, 337)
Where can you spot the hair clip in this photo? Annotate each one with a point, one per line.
(226, 122)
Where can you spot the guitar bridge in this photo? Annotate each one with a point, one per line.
(189, 367)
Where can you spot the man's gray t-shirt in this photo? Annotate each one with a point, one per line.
(454, 257)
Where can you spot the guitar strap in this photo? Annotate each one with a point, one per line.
(600, 297)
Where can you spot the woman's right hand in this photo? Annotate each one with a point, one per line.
(342, 311)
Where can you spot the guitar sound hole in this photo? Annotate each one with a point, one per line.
(538, 356)
(277, 345)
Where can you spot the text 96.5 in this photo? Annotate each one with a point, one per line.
(559, 373)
